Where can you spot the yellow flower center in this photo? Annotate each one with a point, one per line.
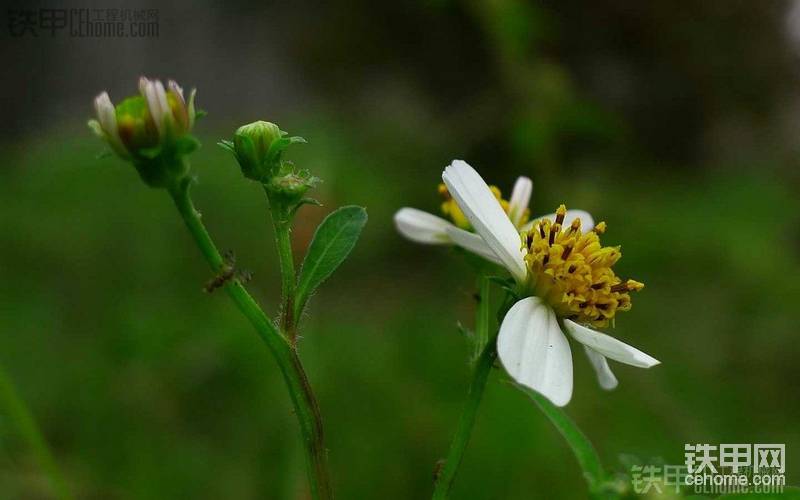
(572, 271)
(450, 208)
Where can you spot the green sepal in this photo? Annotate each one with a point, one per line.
(227, 146)
(278, 146)
(186, 145)
(503, 281)
(304, 201)
(149, 153)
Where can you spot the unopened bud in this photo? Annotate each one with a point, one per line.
(251, 144)
(258, 148)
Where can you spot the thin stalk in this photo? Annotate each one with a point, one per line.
(282, 223)
(482, 316)
(466, 421)
(305, 404)
(18, 413)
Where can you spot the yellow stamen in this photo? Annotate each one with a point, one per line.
(573, 272)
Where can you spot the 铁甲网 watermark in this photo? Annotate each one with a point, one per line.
(84, 23)
(717, 469)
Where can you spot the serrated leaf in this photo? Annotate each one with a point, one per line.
(334, 239)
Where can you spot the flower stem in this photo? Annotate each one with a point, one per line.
(466, 421)
(18, 412)
(482, 316)
(282, 223)
(305, 404)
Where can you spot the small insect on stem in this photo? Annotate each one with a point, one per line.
(226, 273)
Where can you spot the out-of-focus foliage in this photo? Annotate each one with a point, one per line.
(672, 125)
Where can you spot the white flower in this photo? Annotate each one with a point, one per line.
(551, 267)
(155, 117)
(429, 229)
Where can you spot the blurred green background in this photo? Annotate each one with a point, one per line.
(677, 126)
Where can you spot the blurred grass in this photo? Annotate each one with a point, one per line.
(147, 388)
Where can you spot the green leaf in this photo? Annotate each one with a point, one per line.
(333, 241)
(581, 446)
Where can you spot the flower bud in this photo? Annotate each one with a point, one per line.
(151, 130)
(258, 148)
(251, 143)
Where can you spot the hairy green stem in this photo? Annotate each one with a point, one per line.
(482, 316)
(305, 404)
(466, 422)
(483, 366)
(584, 452)
(282, 223)
(18, 413)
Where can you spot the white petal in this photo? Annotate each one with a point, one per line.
(161, 95)
(520, 198)
(599, 362)
(156, 96)
(484, 212)
(473, 243)
(609, 346)
(422, 227)
(176, 89)
(106, 114)
(535, 352)
(587, 222)
(107, 117)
